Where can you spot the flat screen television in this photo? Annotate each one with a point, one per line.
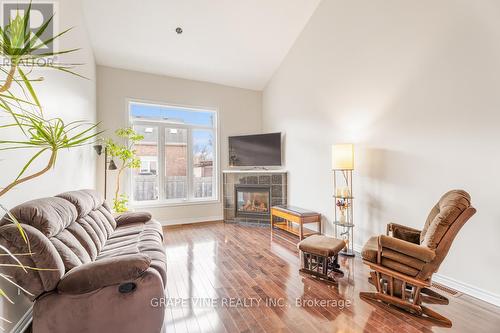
(255, 150)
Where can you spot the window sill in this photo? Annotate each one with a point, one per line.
(159, 204)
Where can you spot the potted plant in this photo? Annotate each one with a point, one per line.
(128, 160)
(46, 137)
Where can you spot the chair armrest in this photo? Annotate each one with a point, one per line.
(105, 272)
(132, 217)
(403, 232)
(413, 250)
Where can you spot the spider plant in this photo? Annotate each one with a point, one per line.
(20, 50)
(18, 45)
(44, 135)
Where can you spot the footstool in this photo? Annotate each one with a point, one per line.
(320, 256)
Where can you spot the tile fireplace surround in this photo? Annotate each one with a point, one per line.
(254, 186)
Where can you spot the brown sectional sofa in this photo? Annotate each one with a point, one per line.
(93, 272)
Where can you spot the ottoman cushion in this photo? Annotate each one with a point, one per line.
(321, 245)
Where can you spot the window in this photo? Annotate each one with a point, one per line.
(178, 154)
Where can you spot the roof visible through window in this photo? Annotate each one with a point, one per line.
(171, 114)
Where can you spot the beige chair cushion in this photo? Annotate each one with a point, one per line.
(399, 267)
(392, 258)
(419, 252)
(442, 216)
(402, 258)
(369, 251)
(321, 245)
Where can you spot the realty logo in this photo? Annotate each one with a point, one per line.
(40, 14)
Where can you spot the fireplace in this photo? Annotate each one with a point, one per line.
(249, 195)
(252, 201)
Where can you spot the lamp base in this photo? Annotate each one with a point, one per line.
(348, 253)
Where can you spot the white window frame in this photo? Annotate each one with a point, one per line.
(162, 126)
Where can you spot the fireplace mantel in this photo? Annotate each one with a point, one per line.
(274, 180)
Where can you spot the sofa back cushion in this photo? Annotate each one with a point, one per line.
(49, 215)
(442, 216)
(95, 223)
(77, 223)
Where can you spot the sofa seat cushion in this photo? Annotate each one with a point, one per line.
(149, 227)
(138, 238)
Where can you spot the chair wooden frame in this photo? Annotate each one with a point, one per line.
(413, 291)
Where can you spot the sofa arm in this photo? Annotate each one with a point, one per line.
(403, 232)
(105, 272)
(132, 217)
(413, 250)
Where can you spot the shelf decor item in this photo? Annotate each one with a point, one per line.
(342, 166)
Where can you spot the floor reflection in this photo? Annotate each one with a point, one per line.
(226, 261)
(191, 272)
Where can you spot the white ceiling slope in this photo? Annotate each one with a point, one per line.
(232, 42)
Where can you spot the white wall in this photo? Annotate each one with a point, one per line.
(61, 95)
(70, 98)
(239, 112)
(415, 85)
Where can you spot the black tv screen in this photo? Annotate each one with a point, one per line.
(255, 150)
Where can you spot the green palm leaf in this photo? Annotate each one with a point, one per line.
(27, 165)
(30, 88)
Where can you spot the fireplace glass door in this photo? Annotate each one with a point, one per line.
(252, 201)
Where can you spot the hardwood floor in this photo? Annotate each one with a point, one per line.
(224, 263)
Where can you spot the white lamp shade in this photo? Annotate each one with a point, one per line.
(343, 156)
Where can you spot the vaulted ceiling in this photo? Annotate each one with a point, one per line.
(232, 42)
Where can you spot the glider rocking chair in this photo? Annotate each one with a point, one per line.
(403, 261)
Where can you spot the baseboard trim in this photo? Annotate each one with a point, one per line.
(468, 289)
(23, 323)
(463, 287)
(191, 220)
